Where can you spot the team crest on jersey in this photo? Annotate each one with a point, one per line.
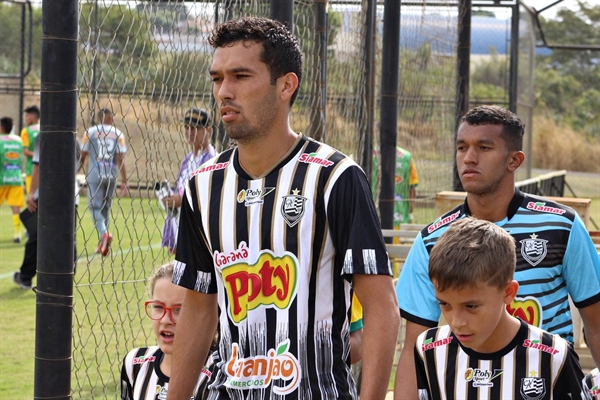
(481, 377)
(533, 250)
(293, 207)
(253, 196)
(533, 388)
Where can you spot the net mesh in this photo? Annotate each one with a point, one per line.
(147, 61)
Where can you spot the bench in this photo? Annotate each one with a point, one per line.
(403, 239)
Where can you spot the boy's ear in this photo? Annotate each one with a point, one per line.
(510, 291)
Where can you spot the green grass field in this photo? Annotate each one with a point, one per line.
(108, 296)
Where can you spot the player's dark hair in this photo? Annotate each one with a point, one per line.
(7, 124)
(513, 127)
(281, 50)
(472, 251)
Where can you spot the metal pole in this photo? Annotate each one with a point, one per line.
(513, 79)
(389, 110)
(319, 65)
(56, 219)
(22, 72)
(463, 57)
(369, 90)
(283, 11)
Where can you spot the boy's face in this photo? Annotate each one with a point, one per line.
(477, 315)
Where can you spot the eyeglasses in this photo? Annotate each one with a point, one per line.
(157, 310)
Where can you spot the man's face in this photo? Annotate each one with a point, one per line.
(242, 88)
(30, 118)
(474, 315)
(197, 136)
(482, 158)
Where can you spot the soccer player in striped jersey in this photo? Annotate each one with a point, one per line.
(146, 370)
(275, 236)
(484, 352)
(555, 255)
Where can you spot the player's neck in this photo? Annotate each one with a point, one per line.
(259, 157)
(492, 206)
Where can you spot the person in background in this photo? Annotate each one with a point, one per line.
(28, 135)
(146, 370)
(484, 352)
(197, 128)
(274, 237)
(106, 147)
(406, 182)
(591, 385)
(556, 257)
(11, 174)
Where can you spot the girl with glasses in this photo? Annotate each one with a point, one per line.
(146, 370)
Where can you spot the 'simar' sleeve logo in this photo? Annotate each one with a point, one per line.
(527, 309)
(258, 372)
(270, 282)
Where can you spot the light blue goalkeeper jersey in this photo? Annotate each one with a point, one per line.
(555, 258)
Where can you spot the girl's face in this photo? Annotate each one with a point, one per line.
(171, 297)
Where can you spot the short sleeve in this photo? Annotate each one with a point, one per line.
(25, 137)
(36, 151)
(354, 225)
(413, 179)
(415, 292)
(194, 267)
(582, 266)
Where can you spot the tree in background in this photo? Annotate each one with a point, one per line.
(567, 83)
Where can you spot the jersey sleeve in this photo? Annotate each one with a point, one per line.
(25, 137)
(121, 146)
(413, 179)
(568, 384)
(415, 292)
(582, 266)
(354, 225)
(194, 267)
(36, 151)
(591, 385)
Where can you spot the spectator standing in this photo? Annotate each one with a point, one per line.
(28, 135)
(197, 133)
(277, 233)
(406, 181)
(106, 147)
(11, 174)
(555, 255)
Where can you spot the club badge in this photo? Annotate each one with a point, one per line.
(533, 388)
(293, 207)
(533, 250)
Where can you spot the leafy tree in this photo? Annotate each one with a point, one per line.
(567, 81)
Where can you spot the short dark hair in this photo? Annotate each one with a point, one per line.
(7, 124)
(513, 127)
(472, 251)
(33, 110)
(281, 49)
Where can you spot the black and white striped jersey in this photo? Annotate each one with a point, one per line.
(142, 378)
(535, 365)
(280, 251)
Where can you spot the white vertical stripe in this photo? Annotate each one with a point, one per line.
(441, 355)
(461, 383)
(558, 359)
(534, 356)
(484, 392)
(508, 374)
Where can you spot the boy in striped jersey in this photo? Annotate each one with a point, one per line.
(556, 259)
(484, 352)
(275, 236)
